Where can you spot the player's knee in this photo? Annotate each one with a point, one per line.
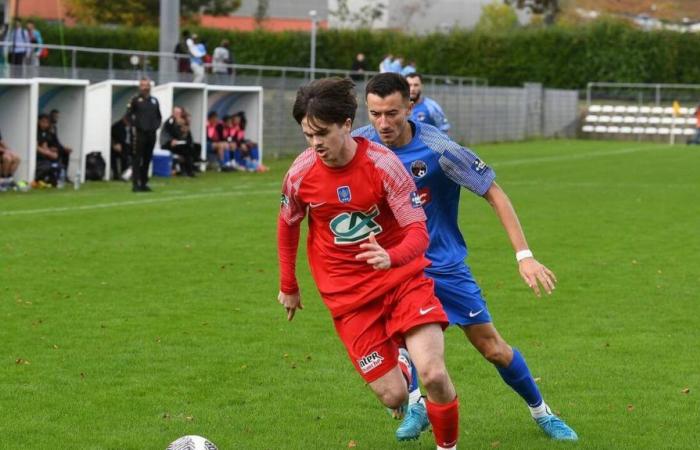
(434, 376)
(495, 351)
(393, 398)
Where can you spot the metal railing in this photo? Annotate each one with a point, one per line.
(146, 62)
(652, 94)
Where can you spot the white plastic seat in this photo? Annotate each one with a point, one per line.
(689, 132)
(690, 121)
(625, 130)
(588, 128)
(685, 110)
(591, 118)
(630, 119)
(632, 109)
(644, 110)
(642, 119)
(616, 119)
(667, 120)
(613, 129)
(608, 108)
(604, 119)
(664, 130)
(595, 108)
(655, 120)
(620, 109)
(678, 131)
(600, 129)
(651, 130)
(657, 110)
(668, 110)
(638, 130)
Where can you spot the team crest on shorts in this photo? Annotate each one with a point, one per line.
(344, 194)
(419, 168)
(369, 362)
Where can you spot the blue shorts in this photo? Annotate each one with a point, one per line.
(460, 297)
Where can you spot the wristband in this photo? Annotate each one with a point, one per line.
(523, 254)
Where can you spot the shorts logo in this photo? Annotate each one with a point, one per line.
(479, 166)
(344, 194)
(419, 168)
(369, 362)
(351, 227)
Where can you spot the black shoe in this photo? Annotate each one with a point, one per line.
(146, 189)
(136, 188)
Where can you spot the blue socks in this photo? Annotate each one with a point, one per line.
(517, 375)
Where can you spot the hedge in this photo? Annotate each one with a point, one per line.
(557, 57)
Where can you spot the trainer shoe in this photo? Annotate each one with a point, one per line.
(556, 428)
(414, 423)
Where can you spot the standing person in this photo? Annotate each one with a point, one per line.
(440, 168)
(359, 66)
(18, 41)
(144, 115)
(365, 245)
(696, 138)
(409, 68)
(197, 52)
(182, 53)
(425, 109)
(35, 38)
(221, 61)
(385, 65)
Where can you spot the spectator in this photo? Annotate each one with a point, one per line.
(176, 137)
(18, 41)
(197, 52)
(385, 65)
(9, 162)
(48, 165)
(409, 69)
(221, 61)
(63, 151)
(216, 141)
(183, 62)
(696, 139)
(34, 54)
(144, 112)
(246, 154)
(121, 149)
(359, 66)
(396, 65)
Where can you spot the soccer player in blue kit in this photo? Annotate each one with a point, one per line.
(425, 109)
(440, 168)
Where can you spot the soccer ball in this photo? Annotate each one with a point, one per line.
(192, 443)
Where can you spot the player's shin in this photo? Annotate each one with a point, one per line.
(444, 419)
(517, 375)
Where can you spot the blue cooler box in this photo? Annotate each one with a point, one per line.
(162, 163)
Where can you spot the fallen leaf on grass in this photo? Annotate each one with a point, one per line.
(538, 379)
(20, 361)
(189, 418)
(686, 391)
(166, 416)
(352, 444)
(630, 408)
(495, 444)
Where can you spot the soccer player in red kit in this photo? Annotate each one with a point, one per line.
(366, 245)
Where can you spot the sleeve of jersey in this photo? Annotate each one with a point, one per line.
(414, 244)
(463, 167)
(401, 191)
(287, 245)
(441, 121)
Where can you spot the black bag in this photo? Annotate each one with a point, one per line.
(95, 166)
(47, 171)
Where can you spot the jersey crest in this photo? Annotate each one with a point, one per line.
(352, 227)
(344, 194)
(419, 168)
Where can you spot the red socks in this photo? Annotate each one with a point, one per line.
(445, 421)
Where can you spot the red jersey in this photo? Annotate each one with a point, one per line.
(372, 193)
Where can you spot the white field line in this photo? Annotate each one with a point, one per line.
(145, 201)
(544, 159)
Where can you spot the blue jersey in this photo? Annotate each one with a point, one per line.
(428, 111)
(440, 167)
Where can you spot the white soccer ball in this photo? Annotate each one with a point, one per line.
(192, 443)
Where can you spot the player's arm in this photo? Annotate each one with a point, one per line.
(531, 270)
(288, 232)
(413, 245)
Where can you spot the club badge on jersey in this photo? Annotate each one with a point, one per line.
(479, 166)
(419, 168)
(344, 194)
(416, 201)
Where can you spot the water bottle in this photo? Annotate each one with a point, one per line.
(61, 179)
(76, 180)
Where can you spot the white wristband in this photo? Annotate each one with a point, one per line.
(522, 254)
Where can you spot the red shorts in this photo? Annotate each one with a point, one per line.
(371, 332)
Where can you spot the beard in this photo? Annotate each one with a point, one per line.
(415, 98)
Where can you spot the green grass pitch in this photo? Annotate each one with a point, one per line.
(128, 320)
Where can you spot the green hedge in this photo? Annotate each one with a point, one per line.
(557, 57)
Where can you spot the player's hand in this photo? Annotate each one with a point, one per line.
(534, 274)
(375, 255)
(291, 303)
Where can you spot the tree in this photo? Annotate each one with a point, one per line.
(364, 17)
(411, 8)
(496, 17)
(138, 12)
(550, 8)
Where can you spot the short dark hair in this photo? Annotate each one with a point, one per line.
(212, 114)
(385, 84)
(44, 116)
(415, 75)
(330, 100)
(55, 111)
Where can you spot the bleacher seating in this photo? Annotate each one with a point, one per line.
(638, 120)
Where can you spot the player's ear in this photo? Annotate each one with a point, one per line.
(348, 124)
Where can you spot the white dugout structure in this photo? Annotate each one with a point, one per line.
(29, 98)
(106, 103)
(227, 100)
(87, 113)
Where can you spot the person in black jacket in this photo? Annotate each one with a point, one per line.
(176, 137)
(121, 148)
(144, 112)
